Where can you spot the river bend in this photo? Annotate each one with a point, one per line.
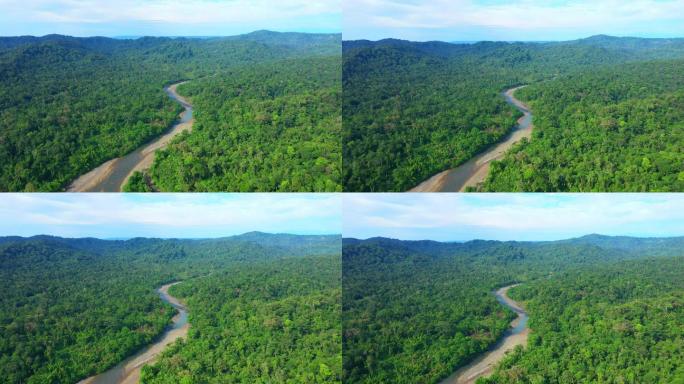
(475, 170)
(113, 174)
(516, 335)
(128, 371)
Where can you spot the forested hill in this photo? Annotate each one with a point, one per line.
(648, 48)
(614, 128)
(416, 311)
(72, 308)
(270, 245)
(413, 109)
(589, 51)
(576, 250)
(69, 104)
(323, 43)
(651, 245)
(279, 43)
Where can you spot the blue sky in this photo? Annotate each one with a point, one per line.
(166, 17)
(201, 215)
(520, 20)
(460, 217)
(444, 217)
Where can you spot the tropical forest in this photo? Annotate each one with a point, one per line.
(261, 308)
(607, 114)
(601, 310)
(266, 113)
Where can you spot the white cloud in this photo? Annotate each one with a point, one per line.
(586, 213)
(518, 15)
(166, 11)
(266, 212)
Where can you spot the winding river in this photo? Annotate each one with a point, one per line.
(113, 175)
(516, 335)
(475, 170)
(128, 371)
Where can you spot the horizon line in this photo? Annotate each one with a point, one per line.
(135, 37)
(516, 41)
(125, 238)
(519, 241)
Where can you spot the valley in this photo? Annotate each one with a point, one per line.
(599, 308)
(427, 116)
(474, 172)
(98, 114)
(113, 175)
(516, 336)
(243, 308)
(128, 371)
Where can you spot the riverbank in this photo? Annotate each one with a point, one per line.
(114, 174)
(128, 371)
(516, 335)
(475, 170)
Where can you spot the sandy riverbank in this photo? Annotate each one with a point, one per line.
(114, 174)
(475, 170)
(128, 371)
(484, 365)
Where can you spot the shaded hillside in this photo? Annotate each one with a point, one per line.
(416, 311)
(69, 104)
(72, 308)
(411, 110)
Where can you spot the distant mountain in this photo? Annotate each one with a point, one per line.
(293, 40)
(610, 46)
(308, 244)
(651, 245)
(589, 248)
(626, 41)
(642, 47)
(430, 47)
(249, 245)
(404, 105)
(325, 43)
(281, 237)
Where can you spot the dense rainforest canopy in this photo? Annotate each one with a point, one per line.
(615, 323)
(612, 129)
(265, 322)
(265, 127)
(72, 308)
(416, 311)
(411, 110)
(69, 104)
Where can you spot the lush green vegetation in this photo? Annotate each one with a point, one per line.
(68, 105)
(139, 182)
(414, 312)
(72, 308)
(404, 122)
(411, 110)
(65, 313)
(260, 323)
(615, 129)
(613, 324)
(272, 127)
(65, 109)
(411, 318)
